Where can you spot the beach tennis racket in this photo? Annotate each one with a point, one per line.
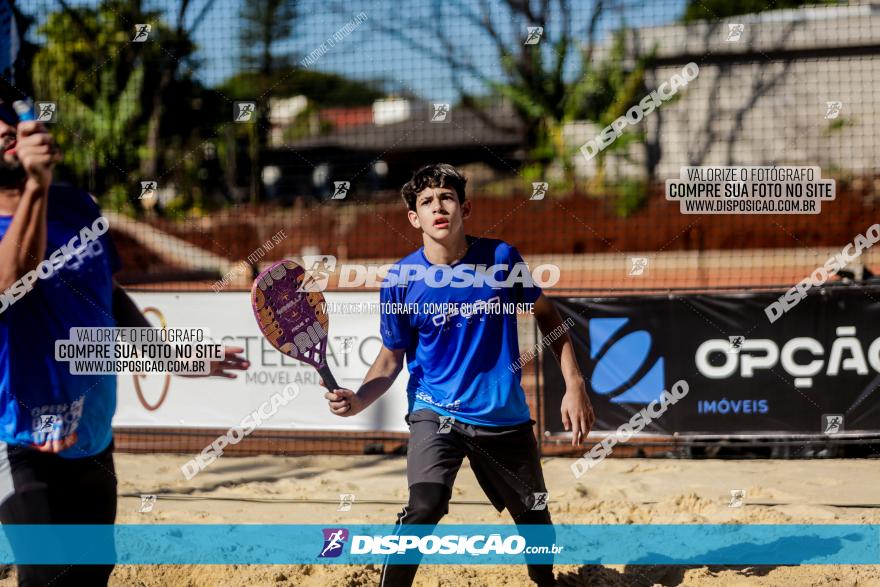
(293, 320)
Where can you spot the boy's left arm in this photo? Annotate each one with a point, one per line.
(577, 412)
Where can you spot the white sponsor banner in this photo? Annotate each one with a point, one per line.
(220, 403)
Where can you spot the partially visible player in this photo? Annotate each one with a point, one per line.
(465, 397)
(56, 443)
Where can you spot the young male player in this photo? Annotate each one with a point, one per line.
(465, 397)
(65, 477)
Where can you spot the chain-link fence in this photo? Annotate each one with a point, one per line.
(207, 127)
(219, 135)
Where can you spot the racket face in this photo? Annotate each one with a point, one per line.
(295, 322)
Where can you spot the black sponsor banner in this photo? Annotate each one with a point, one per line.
(814, 370)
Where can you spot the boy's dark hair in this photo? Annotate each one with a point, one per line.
(437, 175)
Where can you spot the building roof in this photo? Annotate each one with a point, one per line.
(497, 127)
(342, 118)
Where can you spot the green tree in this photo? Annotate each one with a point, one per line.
(89, 68)
(176, 48)
(606, 92)
(533, 77)
(112, 93)
(264, 24)
(329, 89)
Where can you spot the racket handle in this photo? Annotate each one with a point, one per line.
(327, 376)
(24, 109)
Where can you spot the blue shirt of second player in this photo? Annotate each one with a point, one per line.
(39, 397)
(461, 366)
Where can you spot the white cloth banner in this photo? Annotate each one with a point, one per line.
(222, 403)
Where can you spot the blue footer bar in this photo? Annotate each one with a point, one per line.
(641, 544)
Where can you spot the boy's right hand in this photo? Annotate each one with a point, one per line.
(344, 402)
(36, 150)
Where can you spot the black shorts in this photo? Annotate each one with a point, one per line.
(43, 488)
(504, 459)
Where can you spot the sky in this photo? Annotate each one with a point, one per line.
(369, 51)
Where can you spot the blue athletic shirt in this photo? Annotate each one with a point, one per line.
(460, 366)
(38, 395)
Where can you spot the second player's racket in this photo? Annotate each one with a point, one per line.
(293, 320)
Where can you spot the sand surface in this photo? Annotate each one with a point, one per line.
(619, 491)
